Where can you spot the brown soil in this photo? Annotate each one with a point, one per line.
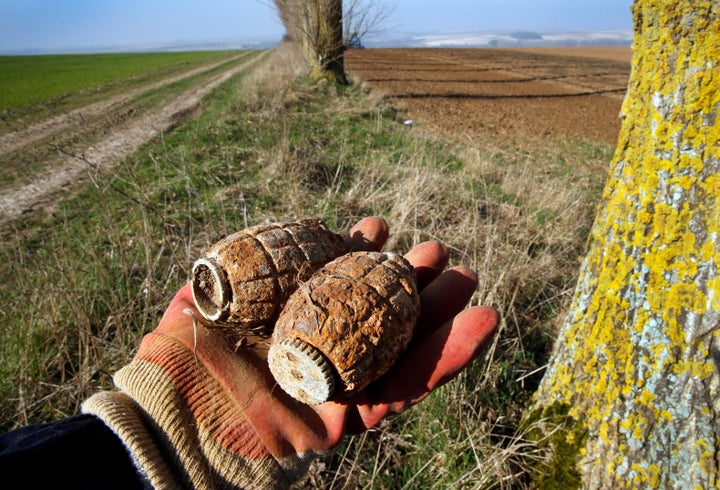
(616, 53)
(87, 163)
(511, 95)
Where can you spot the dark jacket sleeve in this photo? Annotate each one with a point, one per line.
(78, 452)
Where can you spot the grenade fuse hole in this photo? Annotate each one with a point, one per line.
(209, 288)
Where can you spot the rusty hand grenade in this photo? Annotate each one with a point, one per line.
(243, 281)
(345, 326)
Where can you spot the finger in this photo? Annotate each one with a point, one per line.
(443, 298)
(175, 317)
(429, 259)
(369, 234)
(181, 300)
(426, 366)
(334, 416)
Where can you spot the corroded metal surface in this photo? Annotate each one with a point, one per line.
(359, 312)
(244, 280)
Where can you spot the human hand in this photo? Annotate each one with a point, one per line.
(448, 336)
(240, 412)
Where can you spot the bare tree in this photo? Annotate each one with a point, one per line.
(362, 18)
(324, 27)
(318, 27)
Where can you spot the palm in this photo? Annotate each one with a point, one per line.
(447, 338)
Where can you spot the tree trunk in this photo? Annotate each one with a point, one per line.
(317, 25)
(630, 397)
(325, 52)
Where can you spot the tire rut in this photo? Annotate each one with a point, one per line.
(44, 129)
(92, 160)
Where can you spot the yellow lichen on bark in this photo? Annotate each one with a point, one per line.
(636, 360)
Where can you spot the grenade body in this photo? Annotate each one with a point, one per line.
(244, 280)
(345, 327)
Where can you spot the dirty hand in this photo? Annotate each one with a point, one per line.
(222, 420)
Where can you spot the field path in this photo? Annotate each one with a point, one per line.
(46, 128)
(90, 161)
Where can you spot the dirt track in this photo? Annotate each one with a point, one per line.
(476, 94)
(510, 95)
(63, 122)
(87, 162)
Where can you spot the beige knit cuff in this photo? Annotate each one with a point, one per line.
(121, 414)
(169, 445)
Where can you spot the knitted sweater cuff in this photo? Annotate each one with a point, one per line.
(168, 444)
(122, 415)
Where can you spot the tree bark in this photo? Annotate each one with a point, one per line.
(631, 394)
(325, 50)
(317, 25)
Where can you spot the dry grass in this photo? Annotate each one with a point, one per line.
(278, 146)
(522, 231)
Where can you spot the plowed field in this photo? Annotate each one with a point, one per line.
(506, 94)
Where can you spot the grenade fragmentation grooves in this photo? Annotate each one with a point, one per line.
(243, 281)
(356, 314)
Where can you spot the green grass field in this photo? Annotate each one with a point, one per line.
(82, 285)
(29, 80)
(25, 163)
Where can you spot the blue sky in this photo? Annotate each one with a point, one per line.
(55, 25)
